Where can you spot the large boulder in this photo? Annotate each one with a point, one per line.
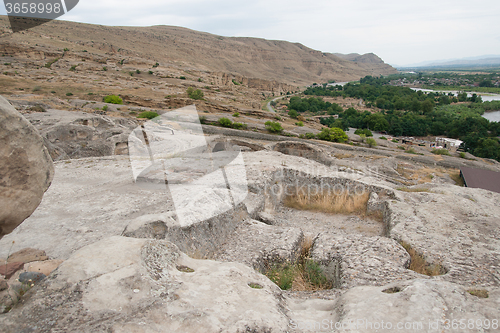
(123, 284)
(26, 169)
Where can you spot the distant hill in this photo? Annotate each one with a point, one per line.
(283, 61)
(471, 62)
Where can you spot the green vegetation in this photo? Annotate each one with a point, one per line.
(364, 131)
(383, 138)
(105, 68)
(148, 115)
(194, 94)
(72, 68)
(404, 112)
(113, 99)
(69, 94)
(299, 123)
(293, 114)
(236, 114)
(305, 274)
(441, 151)
(334, 134)
(225, 122)
(50, 63)
(371, 142)
(182, 77)
(273, 127)
(236, 82)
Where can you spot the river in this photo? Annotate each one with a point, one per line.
(491, 116)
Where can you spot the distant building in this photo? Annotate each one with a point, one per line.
(450, 144)
(480, 178)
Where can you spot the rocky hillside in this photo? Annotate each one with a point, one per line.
(286, 62)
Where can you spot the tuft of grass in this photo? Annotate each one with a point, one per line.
(184, 269)
(148, 115)
(455, 176)
(343, 203)
(407, 189)
(482, 293)
(441, 151)
(419, 264)
(304, 275)
(255, 285)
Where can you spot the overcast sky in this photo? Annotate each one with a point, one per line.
(400, 32)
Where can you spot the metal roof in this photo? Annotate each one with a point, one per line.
(480, 178)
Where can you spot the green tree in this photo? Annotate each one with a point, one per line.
(293, 114)
(113, 99)
(273, 126)
(333, 134)
(371, 142)
(194, 94)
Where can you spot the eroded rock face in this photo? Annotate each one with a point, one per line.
(123, 284)
(71, 134)
(26, 169)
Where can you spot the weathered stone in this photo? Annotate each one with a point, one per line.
(10, 269)
(45, 267)
(31, 277)
(267, 218)
(79, 134)
(134, 285)
(355, 260)
(8, 298)
(3, 284)
(305, 150)
(26, 168)
(259, 245)
(28, 255)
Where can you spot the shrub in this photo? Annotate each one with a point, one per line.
(203, 119)
(194, 94)
(224, 122)
(69, 94)
(150, 72)
(236, 82)
(441, 151)
(293, 114)
(156, 65)
(236, 114)
(310, 136)
(462, 155)
(105, 108)
(299, 123)
(383, 138)
(334, 134)
(138, 71)
(66, 49)
(113, 99)
(364, 131)
(148, 115)
(37, 88)
(239, 126)
(301, 118)
(182, 77)
(395, 140)
(47, 65)
(371, 142)
(73, 68)
(273, 126)
(200, 80)
(105, 68)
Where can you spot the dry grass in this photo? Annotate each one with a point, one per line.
(455, 176)
(304, 275)
(482, 293)
(407, 189)
(420, 265)
(341, 156)
(327, 202)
